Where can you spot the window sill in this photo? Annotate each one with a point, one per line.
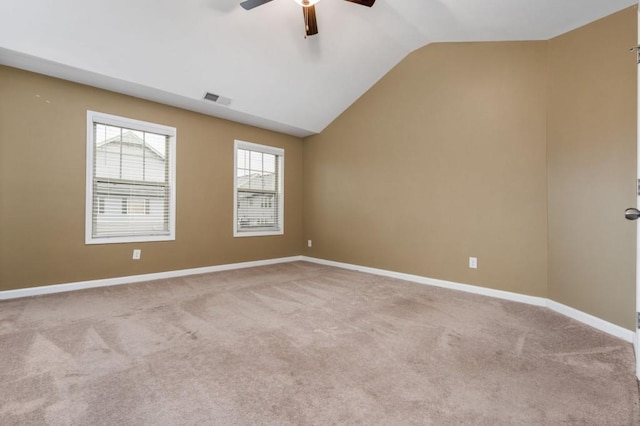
(257, 233)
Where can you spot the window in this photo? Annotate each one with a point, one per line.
(258, 190)
(137, 206)
(130, 180)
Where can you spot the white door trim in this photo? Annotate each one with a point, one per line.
(636, 340)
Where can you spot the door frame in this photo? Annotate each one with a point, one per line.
(636, 340)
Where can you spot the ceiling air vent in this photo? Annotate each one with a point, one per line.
(221, 100)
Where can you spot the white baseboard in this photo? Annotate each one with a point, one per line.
(580, 316)
(590, 320)
(60, 288)
(516, 297)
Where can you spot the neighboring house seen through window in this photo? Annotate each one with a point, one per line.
(258, 190)
(130, 180)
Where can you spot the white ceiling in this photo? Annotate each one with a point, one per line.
(173, 51)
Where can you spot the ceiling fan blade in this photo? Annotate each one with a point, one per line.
(310, 20)
(250, 4)
(367, 3)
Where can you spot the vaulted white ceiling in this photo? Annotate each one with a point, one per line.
(174, 51)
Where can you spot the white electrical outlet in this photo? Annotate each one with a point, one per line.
(473, 262)
(136, 254)
(309, 243)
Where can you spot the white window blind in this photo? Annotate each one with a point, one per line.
(130, 180)
(258, 189)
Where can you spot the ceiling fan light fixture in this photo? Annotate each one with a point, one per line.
(306, 3)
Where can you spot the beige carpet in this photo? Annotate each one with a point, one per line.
(302, 344)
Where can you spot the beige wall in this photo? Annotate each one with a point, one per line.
(42, 187)
(463, 149)
(446, 157)
(591, 163)
(443, 159)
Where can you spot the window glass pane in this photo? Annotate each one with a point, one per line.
(256, 210)
(255, 180)
(243, 158)
(107, 163)
(155, 160)
(269, 181)
(132, 183)
(243, 178)
(269, 163)
(137, 206)
(132, 163)
(157, 143)
(257, 207)
(256, 162)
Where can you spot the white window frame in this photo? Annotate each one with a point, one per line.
(129, 123)
(238, 144)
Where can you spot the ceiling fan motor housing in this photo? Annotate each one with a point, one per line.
(308, 7)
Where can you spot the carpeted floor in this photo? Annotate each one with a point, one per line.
(304, 344)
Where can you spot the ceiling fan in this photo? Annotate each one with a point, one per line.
(308, 10)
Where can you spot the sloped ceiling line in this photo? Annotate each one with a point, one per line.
(173, 52)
